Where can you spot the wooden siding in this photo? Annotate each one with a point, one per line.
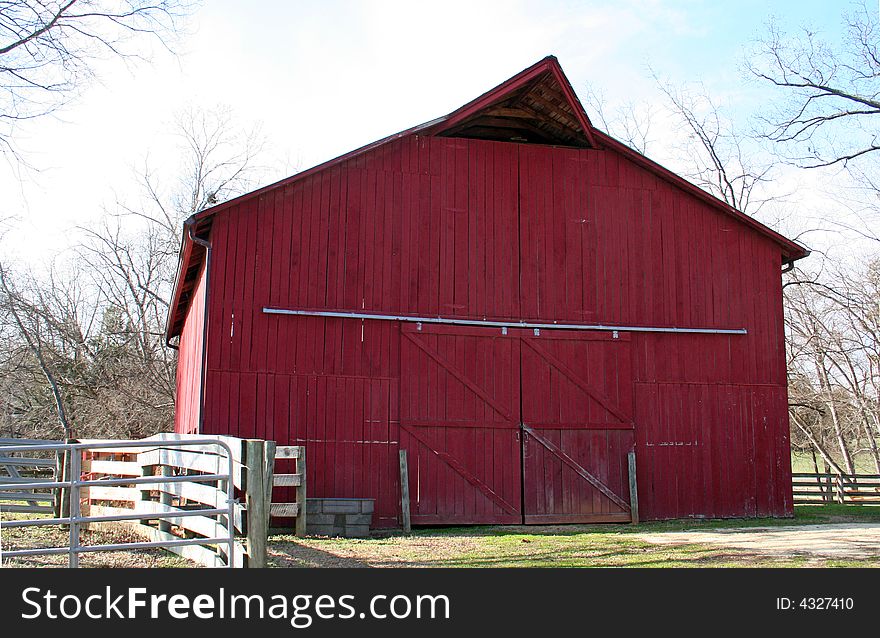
(189, 364)
(492, 230)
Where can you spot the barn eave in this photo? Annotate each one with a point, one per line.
(190, 261)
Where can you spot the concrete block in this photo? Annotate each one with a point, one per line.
(356, 531)
(347, 517)
(341, 506)
(314, 505)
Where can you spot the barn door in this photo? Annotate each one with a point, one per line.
(577, 427)
(460, 424)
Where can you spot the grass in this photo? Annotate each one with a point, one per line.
(483, 546)
(559, 546)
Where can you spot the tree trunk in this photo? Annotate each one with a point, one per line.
(835, 418)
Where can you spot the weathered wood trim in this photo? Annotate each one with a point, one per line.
(406, 520)
(633, 487)
(301, 511)
(255, 495)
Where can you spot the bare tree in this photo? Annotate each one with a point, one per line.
(833, 327)
(721, 159)
(49, 48)
(829, 96)
(45, 352)
(711, 152)
(87, 337)
(131, 254)
(629, 122)
(28, 322)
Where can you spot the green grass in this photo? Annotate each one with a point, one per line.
(559, 546)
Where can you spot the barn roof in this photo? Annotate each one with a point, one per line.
(537, 105)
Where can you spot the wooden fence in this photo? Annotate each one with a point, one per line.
(253, 478)
(810, 488)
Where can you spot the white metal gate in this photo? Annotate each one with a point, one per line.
(74, 483)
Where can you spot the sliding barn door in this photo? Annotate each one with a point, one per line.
(577, 427)
(460, 424)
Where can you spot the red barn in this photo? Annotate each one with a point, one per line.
(513, 297)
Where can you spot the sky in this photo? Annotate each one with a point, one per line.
(323, 78)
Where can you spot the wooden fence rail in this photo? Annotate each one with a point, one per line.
(829, 487)
(252, 477)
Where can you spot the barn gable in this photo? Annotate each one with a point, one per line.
(536, 106)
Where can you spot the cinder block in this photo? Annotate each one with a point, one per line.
(347, 517)
(356, 531)
(315, 505)
(358, 519)
(321, 530)
(342, 506)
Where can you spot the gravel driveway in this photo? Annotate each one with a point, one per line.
(840, 540)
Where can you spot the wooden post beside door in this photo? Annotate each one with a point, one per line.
(633, 487)
(404, 493)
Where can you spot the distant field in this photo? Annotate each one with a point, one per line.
(804, 463)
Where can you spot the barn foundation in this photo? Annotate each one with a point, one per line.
(345, 517)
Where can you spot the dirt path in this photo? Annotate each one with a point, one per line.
(839, 541)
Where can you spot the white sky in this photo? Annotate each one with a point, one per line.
(326, 77)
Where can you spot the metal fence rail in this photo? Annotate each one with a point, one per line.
(74, 483)
(27, 471)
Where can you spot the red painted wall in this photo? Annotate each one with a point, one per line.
(189, 364)
(490, 230)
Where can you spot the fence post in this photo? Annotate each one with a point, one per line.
(269, 477)
(65, 476)
(820, 486)
(301, 514)
(404, 493)
(58, 494)
(85, 501)
(73, 556)
(633, 487)
(255, 498)
(164, 498)
(840, 493)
